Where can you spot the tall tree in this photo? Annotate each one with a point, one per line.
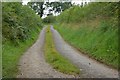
(38, 7)
(57, 7)
(60, 6)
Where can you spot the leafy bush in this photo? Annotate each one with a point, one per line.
(18, 22)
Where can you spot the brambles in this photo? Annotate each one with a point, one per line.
(18, 22)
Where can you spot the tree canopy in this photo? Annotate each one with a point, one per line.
(57, 7)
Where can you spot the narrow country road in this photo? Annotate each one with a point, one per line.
(89, 68)
(32, 63)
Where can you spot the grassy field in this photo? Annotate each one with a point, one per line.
(94, 38)
(11, 55)
(55, 59)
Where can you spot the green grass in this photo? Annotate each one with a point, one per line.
(11, 55)
(93, 29)
(55, 59)
(100, 41)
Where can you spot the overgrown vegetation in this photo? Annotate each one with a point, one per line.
(18, 22)
(91, 11)
(20, 27)
(55, 59)
(93, 29)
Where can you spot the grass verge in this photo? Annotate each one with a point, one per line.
(98, 40)
(55, 59)
(11, 55)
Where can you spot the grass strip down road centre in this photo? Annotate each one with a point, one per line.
(58, 62)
